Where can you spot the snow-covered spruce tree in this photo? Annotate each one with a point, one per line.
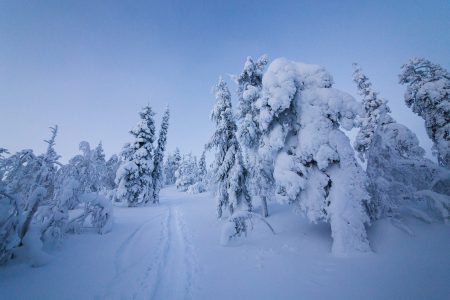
(171, 166)
(249, 133)
(202, 172)
(157, 174)
(376, 112)
(127, 178)
(301, 116)
(201, 181)
(396, 166)
(99, 162)
(134, 180)
(112, 164)
(428, 95)
(187, 173)
(229, 170)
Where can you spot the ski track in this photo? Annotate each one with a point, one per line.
(178, 265)
(164, 269)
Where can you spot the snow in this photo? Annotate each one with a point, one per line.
(173, 251)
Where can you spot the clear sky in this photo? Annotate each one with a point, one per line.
(89, 66)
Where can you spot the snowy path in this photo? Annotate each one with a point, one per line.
(172, 251)
(144, 271)
(177, 262)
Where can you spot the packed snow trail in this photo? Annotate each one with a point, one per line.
(154, 269)
(175, 280)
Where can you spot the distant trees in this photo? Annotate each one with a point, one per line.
(171, 165)
(428, 95)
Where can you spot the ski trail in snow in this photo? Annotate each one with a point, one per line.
(161, 268)
(178, 265)
(123, 254)
(137, 260)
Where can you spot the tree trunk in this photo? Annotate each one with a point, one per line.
(265, 211)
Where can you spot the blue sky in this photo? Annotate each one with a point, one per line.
(89, 66)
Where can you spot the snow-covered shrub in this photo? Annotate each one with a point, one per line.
(52, 220)
(9, 214)
(9, 226)
(26, 185)
(314, 167)
(397, 169)
(197, 188)
(428, 95)
(437, 204)
(97, 213)
(229, 171)
(239, 224)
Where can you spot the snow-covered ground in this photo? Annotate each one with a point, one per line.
(172, 251)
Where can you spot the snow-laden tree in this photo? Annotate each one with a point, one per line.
(85, 174)
(249, 83)
(202, 171)
(127, 178)
(187, 173)
(134, 176)
(90, 167)
(229, 171)
(157, 174)
(396, 166)
(376, 112)
(27, 184)
(112, 164)
(402, 180)
(171, 166)
(201, 182)
(428, 95)
(10, 213)
(301, 116)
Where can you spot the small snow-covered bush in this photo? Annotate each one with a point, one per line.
(197, 188)
(239, 224)
(9, 223)
(437, 204)
(97, 213)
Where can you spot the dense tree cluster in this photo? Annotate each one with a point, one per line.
(140, 175)
(287, 141)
